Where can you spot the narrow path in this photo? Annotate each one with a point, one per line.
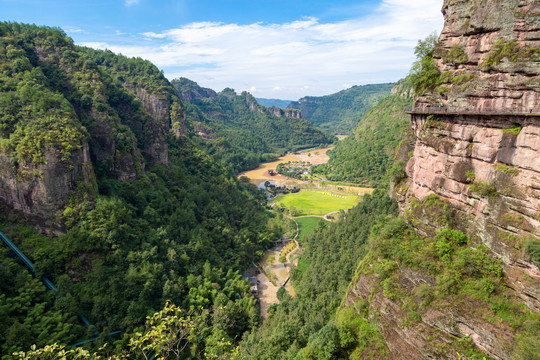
(267, 288)
(295, 262)
(267, 293)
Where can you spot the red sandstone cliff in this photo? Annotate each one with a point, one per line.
(479, 156)
(493, 140)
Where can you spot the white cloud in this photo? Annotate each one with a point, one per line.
(287, 60)
(72, 29)
(131, 2)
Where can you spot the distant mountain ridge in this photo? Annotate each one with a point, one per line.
(339, 113)
(240, 131)
(274, 102)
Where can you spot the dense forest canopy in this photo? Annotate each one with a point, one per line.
(141, 229)
(242, 133)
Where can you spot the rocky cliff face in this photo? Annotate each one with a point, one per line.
(480, 150)
(156, 126)
(472, 164)
(41, 190)
(489, 56)
(76, 113)
(278, 112)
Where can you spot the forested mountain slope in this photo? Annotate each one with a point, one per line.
(340, 113)
(365, 156)
(240, 131)
(304, 326)
(95, 149)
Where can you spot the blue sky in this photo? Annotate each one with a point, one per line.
(272, 48)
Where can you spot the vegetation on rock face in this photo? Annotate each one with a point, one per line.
(456, 56)
(425, 75)
(508, 50)
(340, 113)
(531, 247)
(464, 274)
(240, 132)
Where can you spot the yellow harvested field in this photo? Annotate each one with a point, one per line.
(260, 174)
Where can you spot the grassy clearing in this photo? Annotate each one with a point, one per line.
(303, 264)
(316, 202)
(307, 225)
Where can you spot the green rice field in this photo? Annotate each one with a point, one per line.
(314, 202)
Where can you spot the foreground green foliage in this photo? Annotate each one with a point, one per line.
(340, 113)
(424, 74)
(171, 333)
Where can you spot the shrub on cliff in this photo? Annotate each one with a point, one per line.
(532, 249)
(425, 75)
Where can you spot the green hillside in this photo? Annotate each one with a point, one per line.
(365, 156)
(148, 215)
(242, 133)
(339, 113)
(331, 255)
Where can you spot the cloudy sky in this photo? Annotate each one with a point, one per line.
(282, 49)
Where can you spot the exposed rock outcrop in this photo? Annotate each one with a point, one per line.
(278, 112)
(40, 191)
(156, 126)
(478, 155)
(482, 156)
(489, 56)
(88, 113)
(435, 334)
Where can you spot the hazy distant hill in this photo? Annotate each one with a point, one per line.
(274, 102)
(339, 113)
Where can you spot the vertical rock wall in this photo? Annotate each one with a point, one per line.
(483, 154)
(476, 161)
